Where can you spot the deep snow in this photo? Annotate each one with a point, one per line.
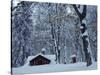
(53, 68)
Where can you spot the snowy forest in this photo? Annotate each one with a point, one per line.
(62, 30)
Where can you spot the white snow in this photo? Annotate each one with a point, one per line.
(15, 2)
(85, 33)
(81, 27)
(69, 10)
(74, 55)
(53, 68)
(84, 21)
(43, 49)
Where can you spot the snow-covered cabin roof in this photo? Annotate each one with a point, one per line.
(43, 49)
(50, 57)
(74, 55)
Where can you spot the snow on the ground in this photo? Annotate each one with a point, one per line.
(53, 68)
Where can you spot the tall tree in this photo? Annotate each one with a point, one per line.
(85, 39)
(22, 41)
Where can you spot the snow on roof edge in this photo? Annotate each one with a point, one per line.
(51, 57)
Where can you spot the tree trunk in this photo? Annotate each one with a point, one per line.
(88, 54)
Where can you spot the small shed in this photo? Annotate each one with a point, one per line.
(41, 59)
(73, 57)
